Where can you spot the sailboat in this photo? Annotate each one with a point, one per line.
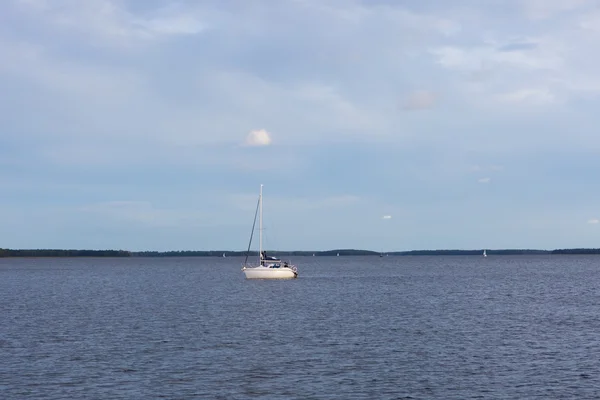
(268, 267)
(484, 253)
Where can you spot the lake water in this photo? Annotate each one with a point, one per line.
(501, 327)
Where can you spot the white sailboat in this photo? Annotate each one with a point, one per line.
(268, 267)
(484, 253)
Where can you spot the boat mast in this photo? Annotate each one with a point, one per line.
(260, 227)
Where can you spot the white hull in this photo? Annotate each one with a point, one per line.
(269, 273)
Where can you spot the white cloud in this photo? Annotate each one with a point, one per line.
(593, 221)
(420, 100)
(484, 180)
(258, 137)
(327, 107)
(387, 217)
(540, 68)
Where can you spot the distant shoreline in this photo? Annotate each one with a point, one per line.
(327, 253)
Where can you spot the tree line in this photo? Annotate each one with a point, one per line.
(220, 253)
(63, 253)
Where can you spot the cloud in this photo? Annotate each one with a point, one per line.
(34, 64)
(138, 100)
(541, 69)
(258, 137)
(544, 56)
(593, 221)
(263, 89)
(278, 203)
(146, 214)
(420, 100)
(337, 201)
(529, 96)
(518, 46)
(110, 21)
(545, 9)
(590, 22)
(489, 168)
(386, 217)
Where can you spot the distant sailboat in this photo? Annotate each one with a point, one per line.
(223, 255)
(484, 253)
(338, 254)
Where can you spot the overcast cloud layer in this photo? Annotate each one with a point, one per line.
(386, 125)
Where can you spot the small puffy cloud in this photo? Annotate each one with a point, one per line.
(594, 221)
(484, 180)
(420, 100)
(258, 137)
(387, 217)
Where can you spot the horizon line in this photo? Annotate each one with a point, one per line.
(299, 251)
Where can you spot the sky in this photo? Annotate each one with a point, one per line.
(383, 125)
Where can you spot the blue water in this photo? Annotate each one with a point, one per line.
(500, 327)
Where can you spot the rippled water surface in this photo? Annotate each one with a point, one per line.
(500, 327)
